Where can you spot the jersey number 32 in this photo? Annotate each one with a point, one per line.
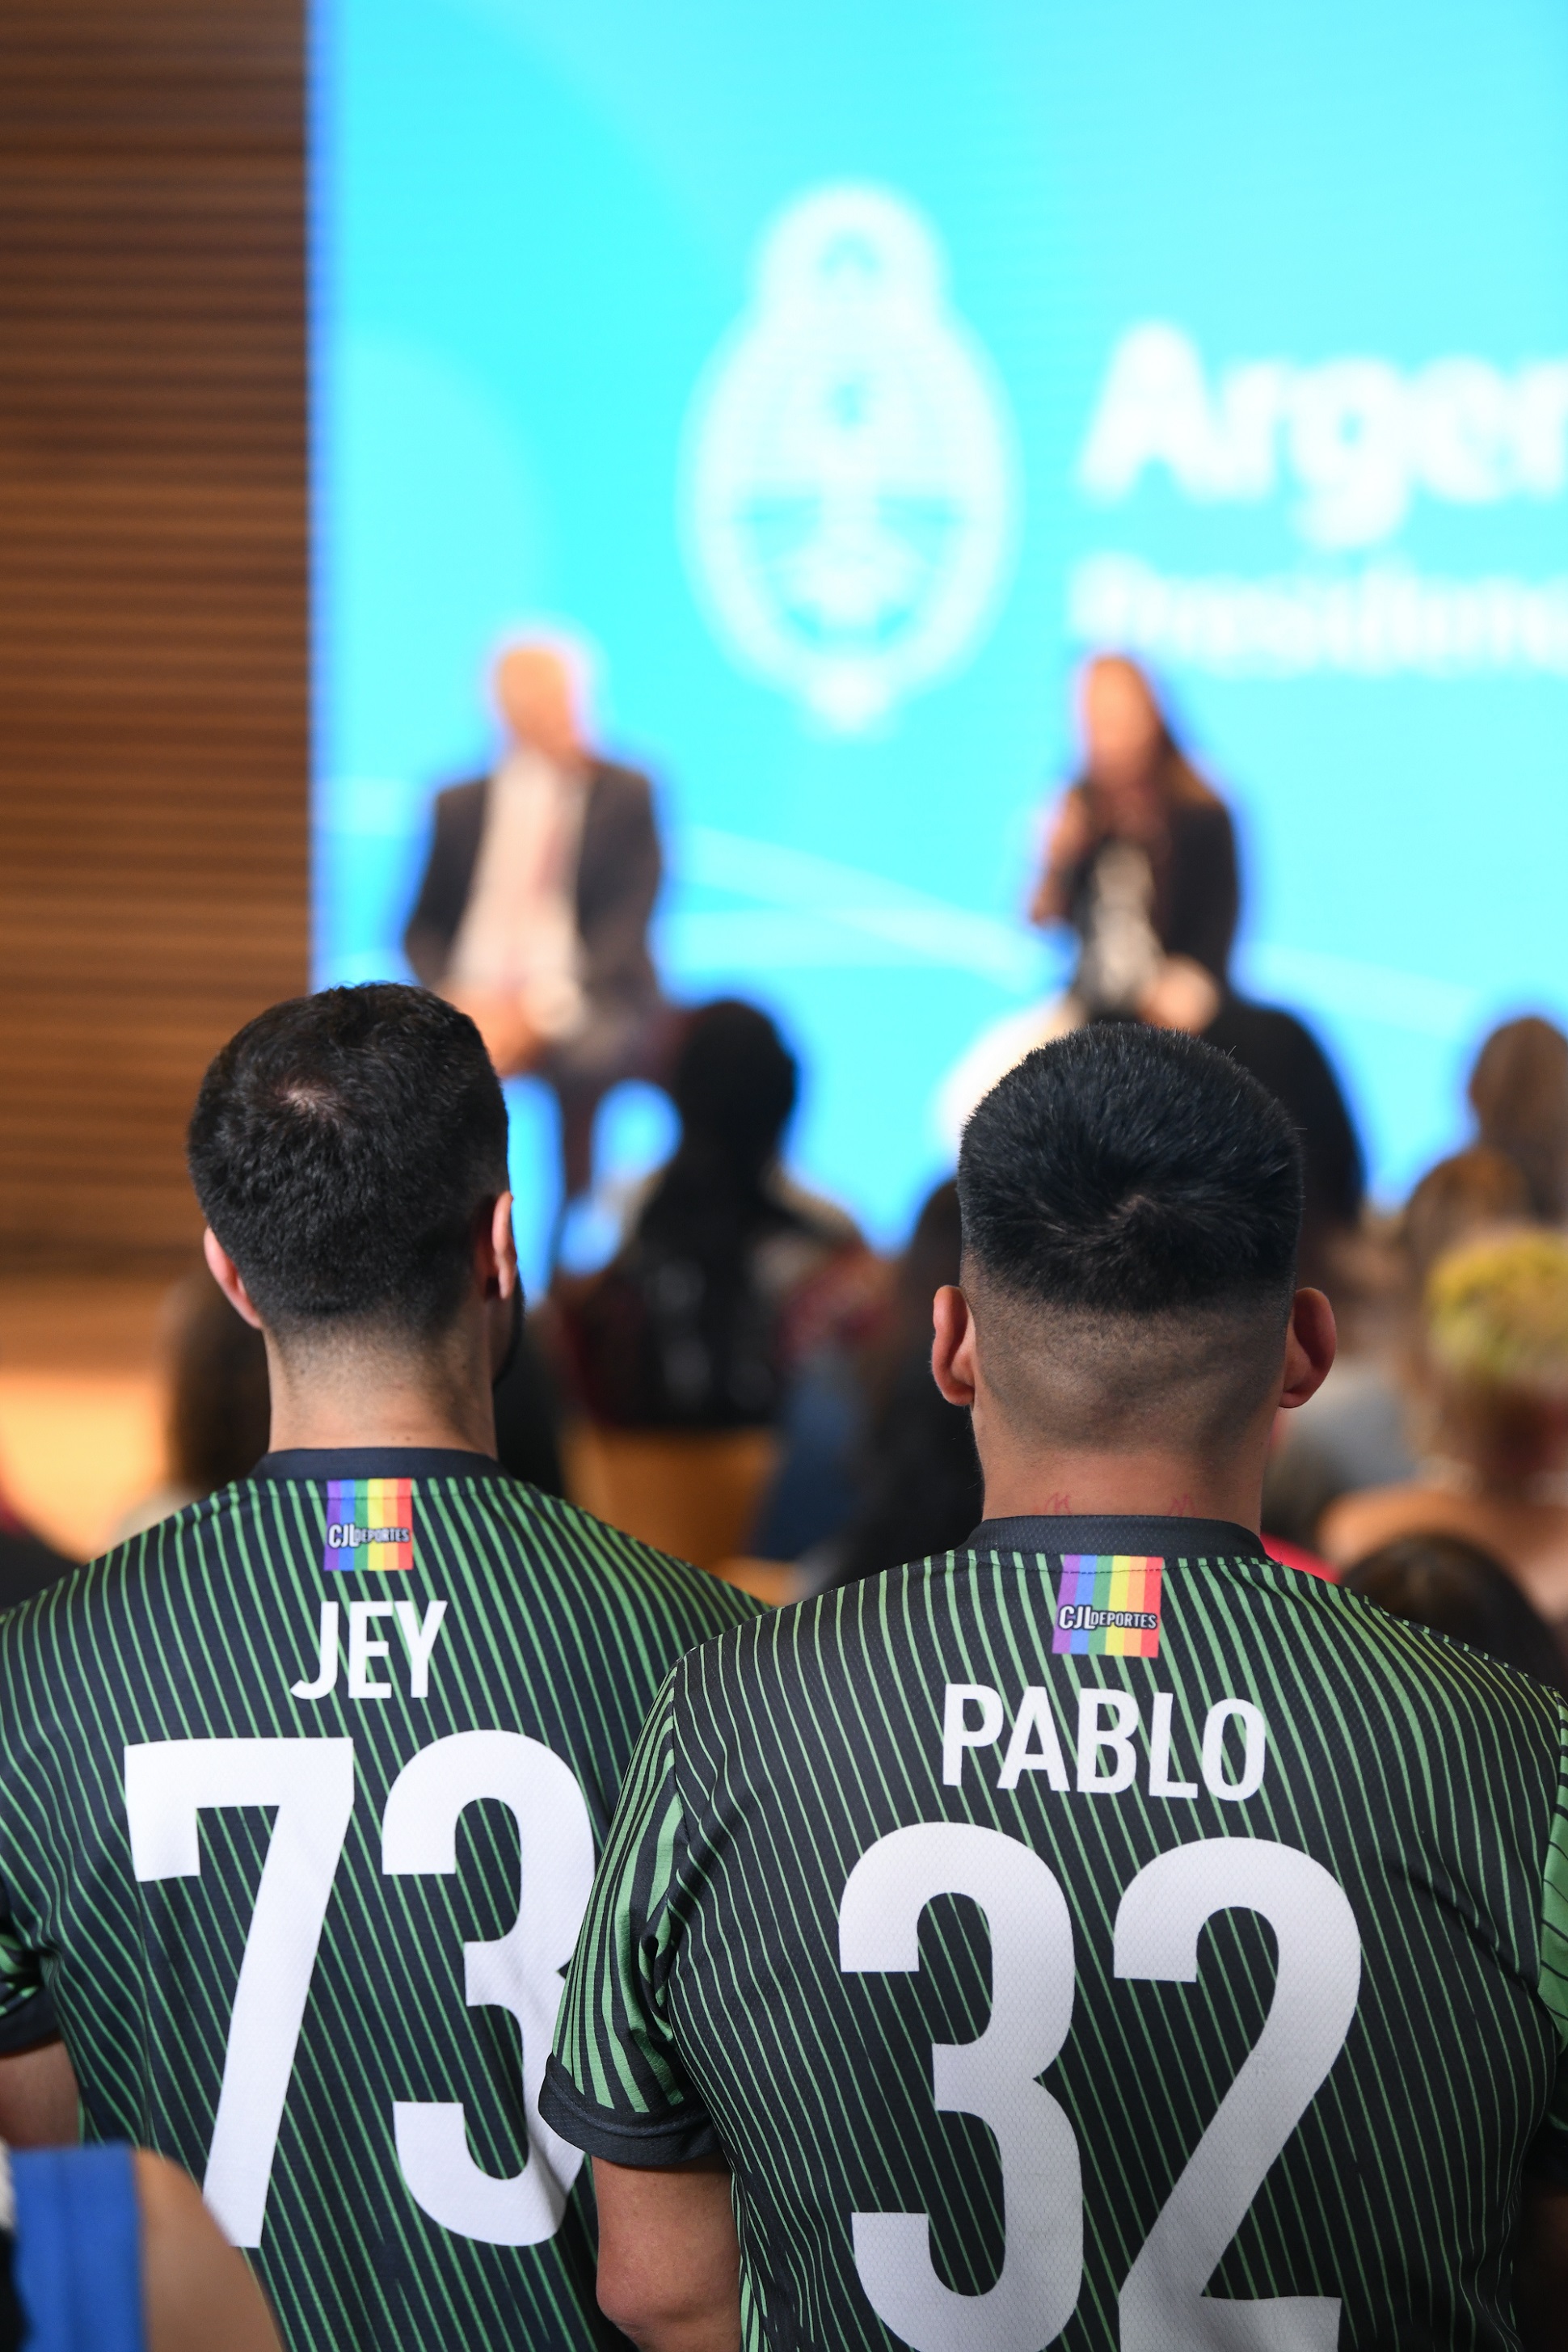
(1163, 2307)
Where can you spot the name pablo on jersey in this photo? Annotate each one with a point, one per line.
(1107, 1721)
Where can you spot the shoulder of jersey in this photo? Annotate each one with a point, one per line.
(630, 1570)
(1371, 1635)
(628, 1563)
(1399, 1637)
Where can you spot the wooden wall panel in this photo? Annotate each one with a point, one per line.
(152, 591)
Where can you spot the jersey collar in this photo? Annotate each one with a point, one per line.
(1141, 1537)
(313, 1462)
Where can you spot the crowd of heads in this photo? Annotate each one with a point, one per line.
(1125, 1221)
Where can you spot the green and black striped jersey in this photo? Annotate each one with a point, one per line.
(1101, 1935)
(300, 1795)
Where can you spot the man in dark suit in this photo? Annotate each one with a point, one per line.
(534, 908)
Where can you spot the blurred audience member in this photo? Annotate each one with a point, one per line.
(918, 1480)
(873, 1457)
(1519, 1092)
(528, 1409)
(691, 1324)
(1497, 1351)
(1473, 1191)
(1141, 861)
(821, 1428)
(1356, 1439)
(219, 1406)
(1357, 1432)
(1458, 1590)
(1282, 1055)
(534, 908)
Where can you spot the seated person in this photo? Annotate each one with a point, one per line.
(1497, 1359)
(535, 906)
(919, 1476)
(1356, 1432)
(1473, 1191)
(1141, 861)
(218, 1404)
(1141, 865)
(111, 2250)
(1104, 1933)
(1459, 1590)
(875, 1464)
(1519, 1092)
(692, 1323)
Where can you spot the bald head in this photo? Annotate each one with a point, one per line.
(540, 697)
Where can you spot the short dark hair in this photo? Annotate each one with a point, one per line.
(342, 1146)
(1132, 1209)
(1438, 1580)
(734, 1080)
(1132, 1171)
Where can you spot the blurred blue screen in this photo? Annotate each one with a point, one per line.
(838, 373)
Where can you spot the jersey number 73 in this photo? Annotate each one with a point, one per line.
(310, 1782)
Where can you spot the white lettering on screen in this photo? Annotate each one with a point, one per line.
(1355, 437)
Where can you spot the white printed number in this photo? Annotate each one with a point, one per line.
(521, 1971)
(310, 1782)
(1163, 2306)
(993, 2077)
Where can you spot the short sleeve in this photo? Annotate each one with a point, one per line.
(26, 2012)
(1549, 2153)
(615, 2085)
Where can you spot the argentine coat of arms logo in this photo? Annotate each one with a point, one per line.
(850, 483)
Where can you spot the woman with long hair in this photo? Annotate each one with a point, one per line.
(689, 1327)
(1141, 861)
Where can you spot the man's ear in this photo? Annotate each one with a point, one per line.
(953, 1365)
(1309, 1346)
(229, 1278)
(496, 1251)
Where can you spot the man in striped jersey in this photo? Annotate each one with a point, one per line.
(1098, 1935)
(272, 1775)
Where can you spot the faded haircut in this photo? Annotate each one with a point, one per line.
(1131, 1209)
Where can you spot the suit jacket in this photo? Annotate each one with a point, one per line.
(618, 873)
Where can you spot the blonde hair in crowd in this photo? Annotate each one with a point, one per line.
(1497, 1313)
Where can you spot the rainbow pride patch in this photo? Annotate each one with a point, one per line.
(369, 1523)
(1107, 1606)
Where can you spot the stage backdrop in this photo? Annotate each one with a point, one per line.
(836, 371)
